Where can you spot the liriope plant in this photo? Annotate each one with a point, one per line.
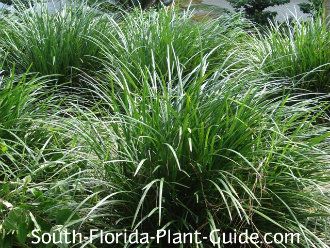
(51, 42)
(297, 49)
(143, 41)
(199, 154)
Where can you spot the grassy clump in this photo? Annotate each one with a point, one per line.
(17, 97)
(16, 100)
(200, 154)
(2, 59)
(51, 43)
(298, 50)
(36, 165)
(153, 40)
(179, 134)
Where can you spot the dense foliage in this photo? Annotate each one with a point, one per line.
(172, 123)
(143, 4)
(256, 9)
(313, 7)
(159, 42)
(6, 2)
(51, 43)
(298, 50)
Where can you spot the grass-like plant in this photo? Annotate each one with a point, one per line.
(175, 132)
(51, 42)
(16, 99)
(37, 167)
(203, 154)
(2, 59)
(156, 39)
(298, 50)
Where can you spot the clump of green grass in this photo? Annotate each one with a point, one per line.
(298, 50)
(175, 136)
(38, 173)
(154, 40)
(203, 154)
(16, 99)
(51, 42)
(2, 59)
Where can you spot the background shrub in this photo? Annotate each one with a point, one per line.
(256, 9)
(313, 7)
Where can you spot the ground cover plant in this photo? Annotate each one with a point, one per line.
(141, 42)
(51, 43)
(299, 50)
(36, 164)
(202, 154)
(175, 123)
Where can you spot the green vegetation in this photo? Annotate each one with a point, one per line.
(158, 41)
(256, 9)
(172, 123)
(298, 50)
(313, 7)
(51, 43)
(202, 154)
(6, 1)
